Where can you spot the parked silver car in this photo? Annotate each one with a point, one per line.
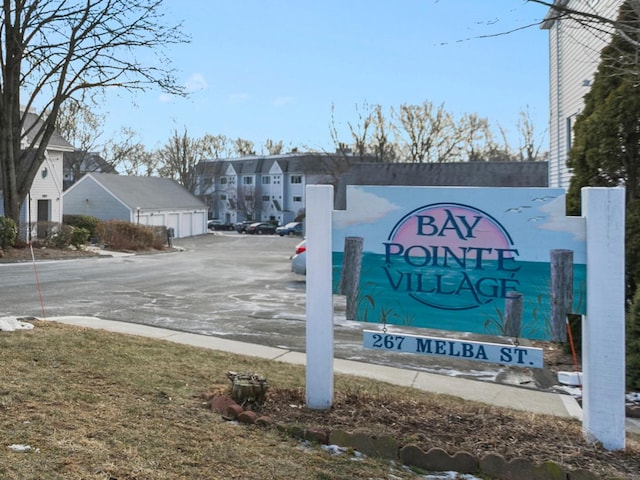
(299, 259)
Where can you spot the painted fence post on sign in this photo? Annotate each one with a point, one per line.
(561, 292)
(513, 314)
(350, 277)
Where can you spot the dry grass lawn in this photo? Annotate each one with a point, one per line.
(97, 405)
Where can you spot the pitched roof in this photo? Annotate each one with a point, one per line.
(55, 143)
(306, 163)
(146, 192)
(89, 161)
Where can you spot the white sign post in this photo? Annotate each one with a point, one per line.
(603, 332)
(319, 297)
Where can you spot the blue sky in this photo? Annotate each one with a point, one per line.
(273, 69)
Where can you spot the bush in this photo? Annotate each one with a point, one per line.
(121, 235)
(160, 238)
(633, 344)
(79, 236)
(53, 235)
(86, 222)
(8, 232)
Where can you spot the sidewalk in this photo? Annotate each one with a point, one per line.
(524, 399)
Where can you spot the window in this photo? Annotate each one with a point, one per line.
(247, 180)
(248, 198)
(265, 198)
(223, 180)
(569, 133)
(296, 179)
(276, 179)
(266, 180)
(223, 197)
(297, 198)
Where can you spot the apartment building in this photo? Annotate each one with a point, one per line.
(266, 188)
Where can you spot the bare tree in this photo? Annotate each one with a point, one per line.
(429, 134)
(530, 146)
(337, 162)
(360, 130)
(81, 127)
(246, 201)
(243, 147)
(274, 148)
(53, 50)
(180, 156)
(139, 161)
(382, 146)
(475, 134)
(126, 153)
(495, 151)
(220, 146)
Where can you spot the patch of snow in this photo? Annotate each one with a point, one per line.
(334, 449)
(633, 397)
(575, 392)
(450, 476)
(11, 324)
(446, 475)
(16, 447)
(573, 379)
(480, 374)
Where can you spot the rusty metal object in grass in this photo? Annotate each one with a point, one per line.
(248, 388)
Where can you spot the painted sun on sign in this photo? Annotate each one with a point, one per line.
(446, 258)
(451, 257)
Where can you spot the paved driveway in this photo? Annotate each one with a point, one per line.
(224, 284)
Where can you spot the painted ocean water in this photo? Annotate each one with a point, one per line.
(466, 297)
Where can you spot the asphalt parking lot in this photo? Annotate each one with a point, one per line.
(223, 284)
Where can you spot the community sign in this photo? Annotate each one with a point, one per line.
(446, 258)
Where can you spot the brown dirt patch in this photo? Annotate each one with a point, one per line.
(13, 255)
(455, 425)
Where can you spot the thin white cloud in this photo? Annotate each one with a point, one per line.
(281, 101)
(363, 207)
(165, 98)
(559, 222)
(196, 83)
(238, 97)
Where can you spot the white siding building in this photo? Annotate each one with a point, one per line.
(44, 201)
(574, 56)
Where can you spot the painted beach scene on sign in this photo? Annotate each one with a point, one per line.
(446, 258)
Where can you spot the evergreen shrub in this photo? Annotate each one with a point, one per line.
(8, 232)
